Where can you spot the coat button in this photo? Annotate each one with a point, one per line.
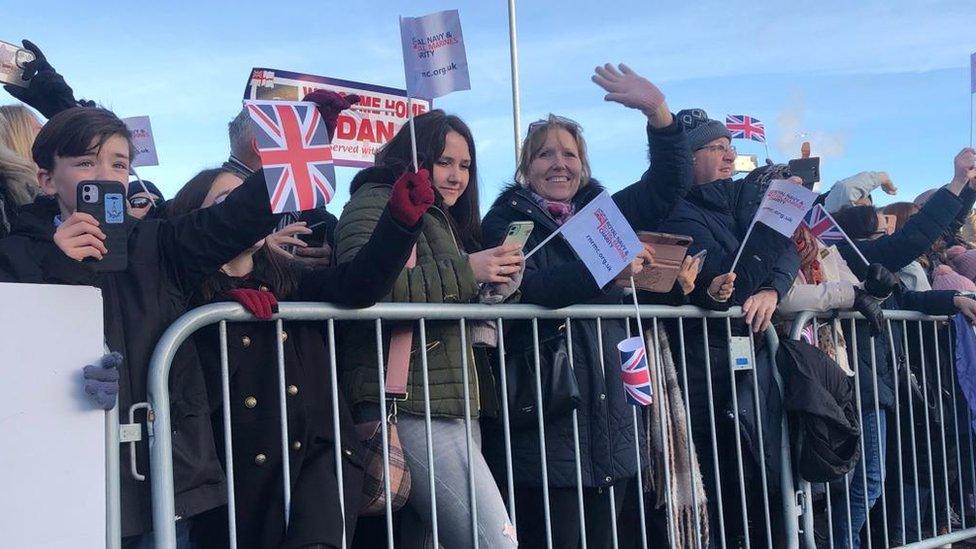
(608, 478)
(246, 341)
(297, 445)
(250, 402)
(292, 390)
(284, 336)
(260, 459)
(263, 288)
(348, 452)
(603, 396)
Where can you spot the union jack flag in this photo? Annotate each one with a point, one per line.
(823, 226)
(293, 143)
(745, 127)
(262, 78)
(635, 374)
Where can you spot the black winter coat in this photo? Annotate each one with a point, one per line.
(255, 413)
(167, 262)
(556, 277)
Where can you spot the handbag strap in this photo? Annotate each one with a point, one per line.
(398, 359)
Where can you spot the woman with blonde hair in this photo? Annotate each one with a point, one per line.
(18, 173)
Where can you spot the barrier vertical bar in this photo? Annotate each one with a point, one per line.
(942, 423)
(711, 425)
(762, 446)
(472, 492)
(881, 441)
(911, 417)
(429, 433)
(384, 431)
(576, 443)
(684, 392)
(864, 454)
(337, 429)
(613, 499)
(898, 440)
(738, 440)
(113, 491)
(955, 422)
(283, 409)
(506, 425)
(542, 432)
(928, 429)
(665, 443)
(228, 433)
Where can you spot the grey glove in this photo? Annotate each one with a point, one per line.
(494, 293)
(102, 381)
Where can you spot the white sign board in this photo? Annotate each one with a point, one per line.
(784, 206)
(52, 441)
(142, 139)
(434, 60)
(602, 238)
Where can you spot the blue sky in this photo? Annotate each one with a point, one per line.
(876, 86)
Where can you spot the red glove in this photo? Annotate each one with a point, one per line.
(412, 195)
(259, 303)
(330, 104)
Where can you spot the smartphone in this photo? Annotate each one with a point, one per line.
(518, 233)
(316, 238)
(807, 169)
(669, 253)
(105, 201)
(701, 255)
(12, 61)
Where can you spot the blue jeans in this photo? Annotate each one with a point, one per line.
(873, 464)
(495, 530)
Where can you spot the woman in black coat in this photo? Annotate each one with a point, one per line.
(553, 184)
(256, 278)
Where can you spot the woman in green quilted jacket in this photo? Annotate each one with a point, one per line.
(450, 267)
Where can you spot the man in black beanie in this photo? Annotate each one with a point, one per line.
(711, 145)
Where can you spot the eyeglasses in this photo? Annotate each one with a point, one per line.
(552, 118)
(719, 148)
(140, 202)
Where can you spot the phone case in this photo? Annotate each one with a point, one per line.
(108, 207)
(518, 231)
(669, 254)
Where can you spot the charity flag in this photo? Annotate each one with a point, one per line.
(602, 238)
(745, 127)
(634, 371)
(823, 226)
(784, 206)
(434, 60)
(293, 143)
(142, 140)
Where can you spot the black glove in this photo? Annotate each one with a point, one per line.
(879, 281)
(46, 90)
(869, 306)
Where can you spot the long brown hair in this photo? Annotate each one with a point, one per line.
(269, 267)
(431, 129)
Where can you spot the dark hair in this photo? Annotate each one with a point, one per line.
(269, 267)
(431, 129)
(859, 222)
(72, 132)
(902, 211)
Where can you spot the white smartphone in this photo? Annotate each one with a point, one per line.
(518, 233)
(12, 61)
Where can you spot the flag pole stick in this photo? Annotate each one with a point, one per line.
(516, 103)
(143, 185)
(543, 243)
(766, 146)
(742, 246)
(847, 238)
(413, 134)
(640, 326)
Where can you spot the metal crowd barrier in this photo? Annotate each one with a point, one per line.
(161, 464)
(908, 512)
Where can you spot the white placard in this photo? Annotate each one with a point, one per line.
(602, 238)
(434, 60)
(784, 206)
(142, 139)
(52, 461)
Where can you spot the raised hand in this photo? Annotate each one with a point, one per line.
(412, 195)
(46, 90)
(330, 104)
(633, 90)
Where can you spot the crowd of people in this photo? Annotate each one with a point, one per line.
(416, 234)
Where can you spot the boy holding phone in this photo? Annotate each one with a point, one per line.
(166, 262)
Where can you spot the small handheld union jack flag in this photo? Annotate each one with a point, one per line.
(823, 226)
(745, 127)
(293, 143)
(634, 371)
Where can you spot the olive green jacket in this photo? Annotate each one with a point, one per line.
(441, 275)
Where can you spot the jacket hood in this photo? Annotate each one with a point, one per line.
(375, 174)
(36, 220)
